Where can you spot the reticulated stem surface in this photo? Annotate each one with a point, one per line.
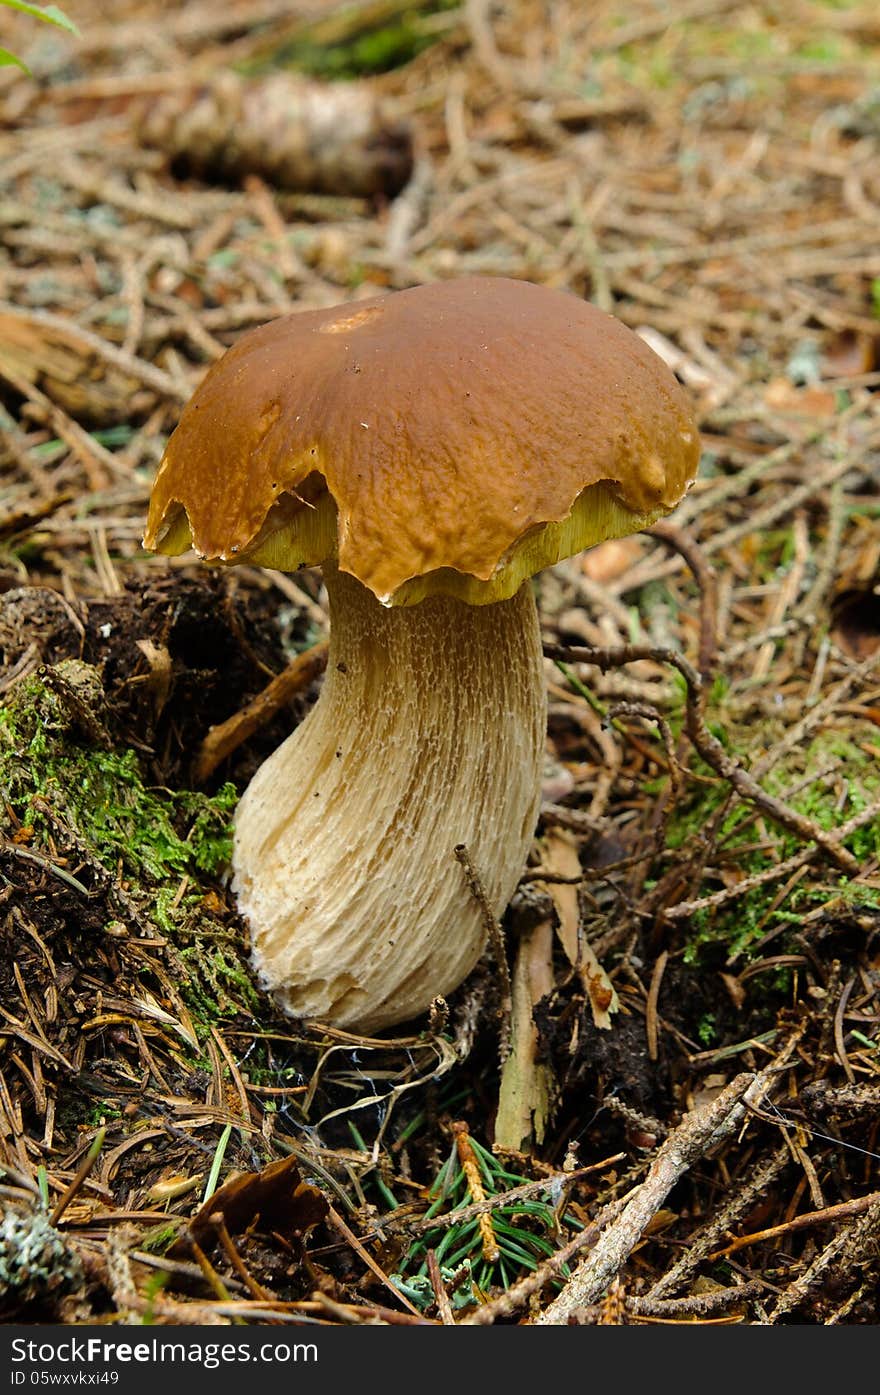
(429, 732)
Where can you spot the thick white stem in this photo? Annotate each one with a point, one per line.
(429, 732)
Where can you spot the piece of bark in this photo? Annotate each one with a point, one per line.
(297, 134)
(560, 855)
(699, 1131)
(527, 1085)
(60, 363)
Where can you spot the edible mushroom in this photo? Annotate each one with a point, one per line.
(432, 449)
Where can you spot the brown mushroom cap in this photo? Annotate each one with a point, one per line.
(429, 432)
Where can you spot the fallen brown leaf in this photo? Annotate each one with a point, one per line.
(275, 1199)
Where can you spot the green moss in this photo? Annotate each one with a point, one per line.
(360, 40)
(829, 802)
(160, 1238)
(46, 758)
(825, 48)
(59, 771)
(707, 1028)
(218, 983)
(101, 1113)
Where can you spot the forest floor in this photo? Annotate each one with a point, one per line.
(697, 1137)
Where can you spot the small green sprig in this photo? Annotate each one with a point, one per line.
(521, 1228)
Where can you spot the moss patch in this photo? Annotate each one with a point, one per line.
(65, 784)
(358, 40)
(831, 780)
